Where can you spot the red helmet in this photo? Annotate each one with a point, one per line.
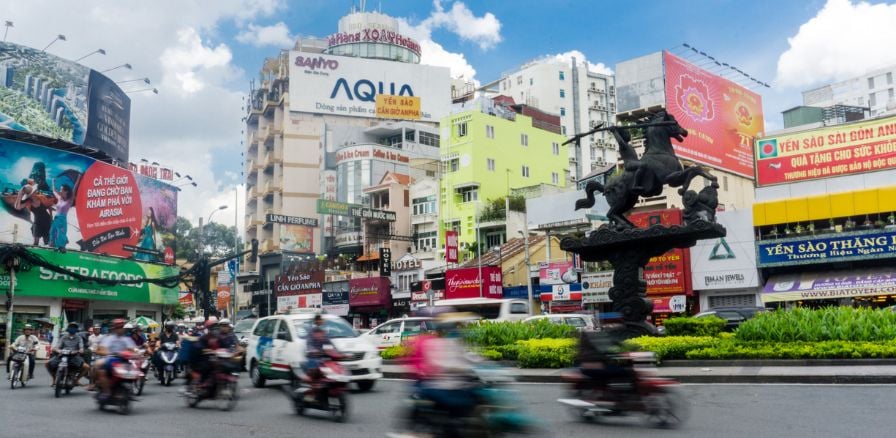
(118, 323)
(211, 322)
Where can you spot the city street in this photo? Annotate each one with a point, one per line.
(716, 410)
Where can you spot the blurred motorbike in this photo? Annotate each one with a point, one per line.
(19, 371)
(327, 392)
(141, 361)
(122, 379)
(645, 393)
(221, 385)
(168, 356)
(65, 378)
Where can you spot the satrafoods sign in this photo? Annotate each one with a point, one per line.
(346, 86)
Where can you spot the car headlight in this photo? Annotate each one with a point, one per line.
(371, 355)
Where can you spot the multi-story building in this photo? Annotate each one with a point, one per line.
(583, 98)
(488, 150)
(873, 90)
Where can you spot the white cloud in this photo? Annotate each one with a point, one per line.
(485, 31)
(187, 62)
(273, 35)
(843, 40)
(600, 67)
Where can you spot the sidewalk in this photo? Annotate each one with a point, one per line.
(859, 373)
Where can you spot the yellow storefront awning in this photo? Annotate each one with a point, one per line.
(828, 285)
(823, 207)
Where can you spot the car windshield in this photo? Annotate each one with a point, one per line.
(334, 328)
(244, 325)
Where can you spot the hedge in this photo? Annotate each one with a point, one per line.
(670, 347)
(708, 326)
(547, 353)
(795, 350)
(826, 324)
(487, 334)
(395, 352)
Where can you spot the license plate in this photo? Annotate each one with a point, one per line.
(350, 366)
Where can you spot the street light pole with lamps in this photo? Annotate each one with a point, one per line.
(528, 266)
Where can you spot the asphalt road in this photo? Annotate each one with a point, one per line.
(716, 410)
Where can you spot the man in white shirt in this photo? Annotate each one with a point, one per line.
(29, 341)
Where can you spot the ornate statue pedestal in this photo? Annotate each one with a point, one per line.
(629, 249)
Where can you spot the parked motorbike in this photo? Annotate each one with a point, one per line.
(326, 392)
(656, 397)
(141, 362)
(495, 411)
(122, 379)
(221, 385)
(168, 356)
(65, 377)
(18, 374)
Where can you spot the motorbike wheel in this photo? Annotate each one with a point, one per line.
(228, 396)
(138, 386)
(124, 407)
(168, 378)
(339, 408)
(298, 403)
(666, 408)
(16, 376)
(192, 396)
(60, 381)
(365, 385)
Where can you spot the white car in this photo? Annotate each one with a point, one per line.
(577, 320)
(392, 332)
(277, 343)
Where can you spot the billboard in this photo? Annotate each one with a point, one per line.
(669, 273)
(59, 199)
(348, 86)
(830, 285)
(728, 262)
(371, 291)
(354, 210)
(596, 287)
(848, 149)
(53, 97)
(840, 247)
(297, 238)
(465, 283)
(722, 118)
(557, 273)
(41, 282)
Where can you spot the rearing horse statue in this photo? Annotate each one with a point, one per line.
(644, 177)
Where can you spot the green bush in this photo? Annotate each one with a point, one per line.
(508, 352)
(708, 326)
(488, 334)
(670, 347)
(814, 325)
(547, 353)
(795, 350)
(395, 352)
(491, 354)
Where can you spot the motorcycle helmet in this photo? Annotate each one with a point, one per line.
(129, 326)
(28, 327)
(118, 323)
(211, 322)
(226, 322)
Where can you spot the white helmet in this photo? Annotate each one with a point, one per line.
(129, 326)
(225, 321)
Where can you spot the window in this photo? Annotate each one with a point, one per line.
(489, 131)
(427, 240)
(384, 329)
(469, 194)
(524, 139)
(555, 148)
(429, 139)
(519, 80)
(725, 183)
(870, 83)
(409, 135)
(265, 328)
(531, 81)
(519, 308)
(335, 328)
(890, 78)
(861, 100)
(872, 101)
(416, 326)
(462, 129)
(425, 205)
(555, 178)
(562, 111)
(562, 76)
(563, 130)
(283, 332)
(575, 321)
(453, 165)
(491, 164)
(562, 93)
(525, 171)
(890, 93)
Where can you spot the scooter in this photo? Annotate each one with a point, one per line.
(65, 378)
(658, 398)
(168, 357)
(222, 385)
(325, 393)
(18, 374)
(141, 362)
(121, 381)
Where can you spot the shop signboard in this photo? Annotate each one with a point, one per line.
(596, 287)
(348, 86)
(422, 290)
(451, 246)
(557, 273)
(57, 98)
(371, 291)
(75, 202)
(354, 210)
(830, 285)
(841, 247)
(465, 283)
(185, 298)
(305, 301)
(42, 282)
(669, 273)
(385, 262)
(335, 298)
(728, 262)
(299, 283)
(561, 292)
(845, 149)
(291, 220)
(722, 118)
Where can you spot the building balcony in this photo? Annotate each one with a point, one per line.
(418, 219)
(272, 158)
(251, 194)
(270, 187)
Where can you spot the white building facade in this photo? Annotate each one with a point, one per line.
(874, 90)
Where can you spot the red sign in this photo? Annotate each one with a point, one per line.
(668, 274)
(223, 301)
(186, 298)
(465, 283)
(299, 284)
(373, 291)
(451, 246)
(74, 304)
(553, 273)
(722, 118)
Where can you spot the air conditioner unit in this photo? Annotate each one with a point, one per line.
(601, 162)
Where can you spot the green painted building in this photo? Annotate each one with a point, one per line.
(487, 151)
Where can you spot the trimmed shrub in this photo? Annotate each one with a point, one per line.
(795, 350)
(708, 326)
(396, 352)
(670, 347)
(491, 354)
(547, 353)
(508, 352)
(814, 325)
(487, 334)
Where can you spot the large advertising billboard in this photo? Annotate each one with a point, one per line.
(466, 283)
(667, 274)
(347, 86)
(722, 118)
(57, 98)
(59, 199)
(727, 262)
(825, 152)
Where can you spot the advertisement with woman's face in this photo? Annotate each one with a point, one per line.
(61, 200)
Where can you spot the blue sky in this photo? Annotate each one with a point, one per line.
(201, 54)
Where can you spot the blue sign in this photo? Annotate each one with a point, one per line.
(842, 247)
(231, 265)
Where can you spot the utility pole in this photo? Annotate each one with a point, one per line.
(528, 266)
(11, 264)
(236, 249)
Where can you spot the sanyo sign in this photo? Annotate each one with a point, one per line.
(346, 86)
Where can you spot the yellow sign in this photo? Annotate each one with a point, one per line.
(397, 107)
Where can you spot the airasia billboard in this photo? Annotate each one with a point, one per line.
(465, 283)
(670, 273)
(372, 291)
(722, 118)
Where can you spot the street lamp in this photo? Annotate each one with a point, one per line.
(59, 37)
(125, 65)
(145, 80)
(100, 51)
(528, 267)
(201, 249)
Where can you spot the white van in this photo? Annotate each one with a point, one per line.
(490, 309)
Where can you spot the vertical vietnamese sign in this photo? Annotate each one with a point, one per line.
(451, 246)
(223, 301)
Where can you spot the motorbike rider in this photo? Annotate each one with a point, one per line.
(597, 357)
(111, 345)
(200, 366)
(318, 346)
(168, 336)
(137, 335)
(73, 342)
(29, 341)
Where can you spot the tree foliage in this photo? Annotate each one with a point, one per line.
(218, 240)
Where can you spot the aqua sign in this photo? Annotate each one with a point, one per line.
(804, 250)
